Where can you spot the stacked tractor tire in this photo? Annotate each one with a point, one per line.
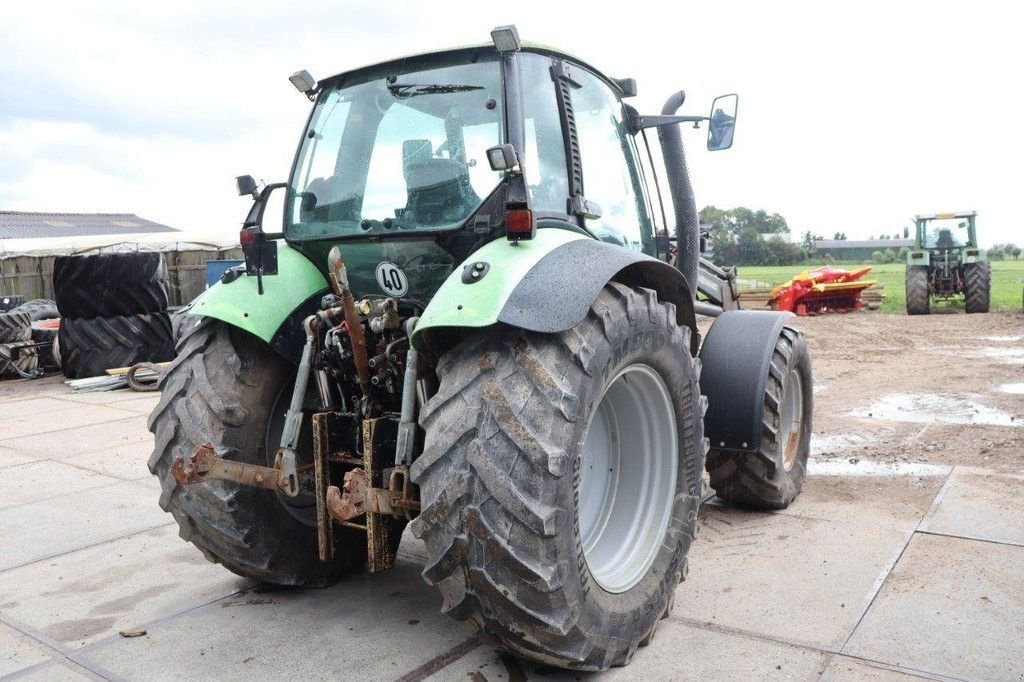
(113, 309)
(28, 332)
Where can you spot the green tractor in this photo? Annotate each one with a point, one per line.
(941, 266)
(476, 322)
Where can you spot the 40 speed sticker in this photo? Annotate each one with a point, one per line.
(392, 280)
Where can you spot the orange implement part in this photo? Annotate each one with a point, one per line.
(822, 290)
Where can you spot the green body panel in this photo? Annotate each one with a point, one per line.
(239, 304)
(923, 258)
(479, 303)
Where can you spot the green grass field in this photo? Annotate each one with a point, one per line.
(1007, 281)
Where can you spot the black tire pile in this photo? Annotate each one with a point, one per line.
(113, 309)
(21, 333)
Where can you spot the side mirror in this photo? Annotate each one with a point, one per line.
(246, 185)
(722, 122)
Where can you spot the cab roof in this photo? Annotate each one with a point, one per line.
(526, 47)
(946, 216)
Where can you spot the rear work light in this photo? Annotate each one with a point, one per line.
(519, 224)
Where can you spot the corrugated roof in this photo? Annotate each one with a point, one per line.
(30, 225)
(862, 243)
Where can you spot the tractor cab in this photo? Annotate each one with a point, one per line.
(447, 151)
(941, 231)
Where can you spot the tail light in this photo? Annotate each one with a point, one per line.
(972, 252)
(519, 224)
(247, 236)
(917, 256)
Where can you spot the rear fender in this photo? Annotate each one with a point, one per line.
(735, 359)
(919, 258)
(276, 316)
(546, 285)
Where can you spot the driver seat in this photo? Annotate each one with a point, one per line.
(439, 191)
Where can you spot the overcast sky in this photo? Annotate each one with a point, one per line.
(851, 119)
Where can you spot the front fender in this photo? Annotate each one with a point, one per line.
(546, 285)
(239, 303)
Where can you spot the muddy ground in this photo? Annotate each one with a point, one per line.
(937, 389)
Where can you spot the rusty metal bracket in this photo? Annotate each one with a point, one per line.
(358, 497)
(205, 465)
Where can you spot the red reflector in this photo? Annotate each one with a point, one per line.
(247, 237)
(519, 223)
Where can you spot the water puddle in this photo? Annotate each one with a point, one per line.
(864, 467)
(828, 444)
(1013, 389)
(928, 408)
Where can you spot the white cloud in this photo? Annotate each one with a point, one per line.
(852, 118)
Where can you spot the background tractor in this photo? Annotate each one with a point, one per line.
(944, 265)
(476, 321)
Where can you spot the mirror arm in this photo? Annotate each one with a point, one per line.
(638, 123)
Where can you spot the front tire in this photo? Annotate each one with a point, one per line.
(221, 389)
(523, 534)
(772, 477)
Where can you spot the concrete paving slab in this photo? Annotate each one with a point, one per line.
(31, 407)
(40, 424)
(10, 457)
(845, 669)
(896, 502)
(62, 671)
(93, 593)
(679, 652)
(801, 580)
(70, 522)
(44, 479)
(127, 462)
(980, 504)
(334, 633)
(950, 606)
(17, 651)
(119, 428)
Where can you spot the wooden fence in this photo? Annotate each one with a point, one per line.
(32, 276)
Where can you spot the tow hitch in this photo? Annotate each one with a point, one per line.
(205, 465)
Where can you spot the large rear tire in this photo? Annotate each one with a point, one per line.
(772, 477)
(89, 347)
(536, 530)
(110, 284)
(977, 286)
(222, 389)
(917, 290)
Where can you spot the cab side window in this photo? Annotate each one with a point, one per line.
(610, 174)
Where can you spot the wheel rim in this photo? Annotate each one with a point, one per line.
(792, 418)
(628, 481)
(303, 506)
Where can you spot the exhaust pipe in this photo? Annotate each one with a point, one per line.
(687, 221)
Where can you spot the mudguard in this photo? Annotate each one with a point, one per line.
(294, 293)
(546, 284)
(735, 360)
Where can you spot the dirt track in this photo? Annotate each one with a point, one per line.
(929, 389)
